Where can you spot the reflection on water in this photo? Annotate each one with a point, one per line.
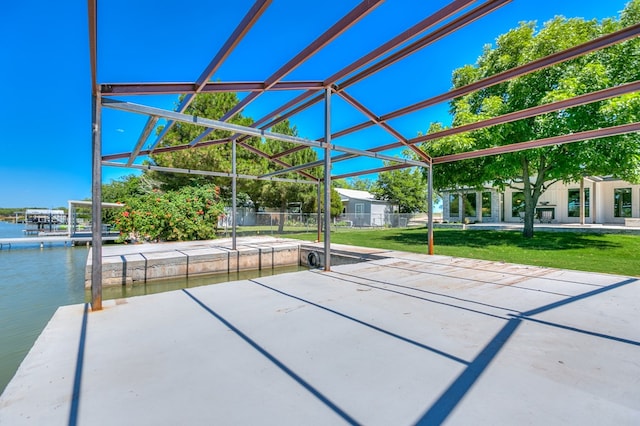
(35, 281)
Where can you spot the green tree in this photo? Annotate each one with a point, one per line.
(406, 188)
(532, 171)
(360, 184)
(336, 204)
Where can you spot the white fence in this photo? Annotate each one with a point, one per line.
(278, 223)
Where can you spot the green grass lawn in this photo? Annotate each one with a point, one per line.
(609, 253)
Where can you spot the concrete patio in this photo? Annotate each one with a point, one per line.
(406, 339)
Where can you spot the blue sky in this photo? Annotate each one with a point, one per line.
(45, 114)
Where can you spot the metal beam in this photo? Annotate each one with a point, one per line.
(96, 169)
(117, 89)
(205, 173)
(540, 143)
(164, 149)
(234, 200)
(445, 30)
(371, 171)
(422, 26)
(587, 98)
(327, 37)
(327, 180)
(374, 118)
(148, 127)
(542, 63)
(96, 207)
(92, 7)
(215, 124)
(275, 160)
(429, 22)
(506, 118)
(287, 152)
(352, 153)
(241, 30)
(430, 212)
(252, 16)
(204, 122)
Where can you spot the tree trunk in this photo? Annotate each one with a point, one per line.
(529, 215)
(532, 192)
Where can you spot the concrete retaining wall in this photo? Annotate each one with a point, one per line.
(129, 268)
(124, 265)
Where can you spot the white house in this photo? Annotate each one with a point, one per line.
(362, 209)
(606, 201)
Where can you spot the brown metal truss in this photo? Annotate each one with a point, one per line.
(454, 16)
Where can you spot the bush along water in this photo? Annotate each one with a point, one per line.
(190, 213)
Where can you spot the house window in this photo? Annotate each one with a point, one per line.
(622, 202)
(486, 204)
(470, 204)
(517, 203)
(359, 209)
(454, 205)
(574, 202)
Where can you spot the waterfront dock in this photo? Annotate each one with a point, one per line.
(45, 240)
(140, 263)
(400, 339)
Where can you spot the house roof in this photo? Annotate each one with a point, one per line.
(354, 194)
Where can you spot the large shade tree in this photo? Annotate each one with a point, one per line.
(532, 171)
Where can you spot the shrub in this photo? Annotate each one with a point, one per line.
(190, 213)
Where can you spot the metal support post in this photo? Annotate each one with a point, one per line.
(327, 180)
(96, 205)
(430, 204)
(234, 181)
(319, 218)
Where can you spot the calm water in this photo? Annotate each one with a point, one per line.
(35, 281)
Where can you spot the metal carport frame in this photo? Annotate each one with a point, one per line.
(317, 91)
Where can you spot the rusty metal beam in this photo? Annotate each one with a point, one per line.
(327, 37)
(422, 26)
(542, 63)
(287, 152)
(332, 33)
(430, 38)
(241, 30)
(432, 20)
(115, 89)
(375, 119)
(540, 143)
(164, 149)
(370, 171)
(517, 115)
(275, 160)
(92, 7)
(537, 65)
(587, 98)
(252, 16)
